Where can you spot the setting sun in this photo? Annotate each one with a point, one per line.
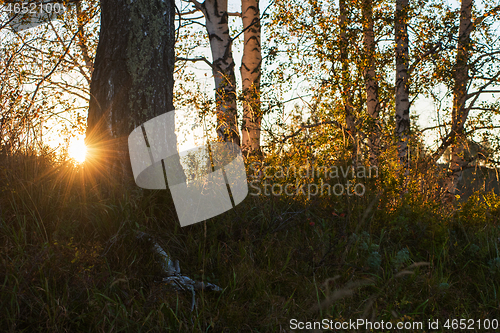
(77, 149)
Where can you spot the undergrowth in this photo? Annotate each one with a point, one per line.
(71, 261)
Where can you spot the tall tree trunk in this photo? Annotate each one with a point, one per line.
(346, 81)
(459, 111)
(132, 80)
(250, 77)
(402, 83)
(216, 22)
(371, 83)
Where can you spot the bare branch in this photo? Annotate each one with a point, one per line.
(193, 18)
(205, 60)
(10, 20)
(294, 98)
(434, 49)
(489, 54)
(74, 61)
(246, 28)
(53, 69)
(253, 22)
(189, 12)
(303, 127)
(67, 87)
(481, 18)
(481, 128)
(483, 109)
(485, 78)
(482, 92)
(432, 128)
(197, 5)
(192, 22)
(448, 140)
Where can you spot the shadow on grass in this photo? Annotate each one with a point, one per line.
(71, 261)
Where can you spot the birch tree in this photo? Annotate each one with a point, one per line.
(475, 72)
(321, 41)
(371, 83)
(223, 66)
(402, 83)
(461, 81)
(347, 94)
(250, 76)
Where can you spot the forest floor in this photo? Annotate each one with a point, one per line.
(71, 261)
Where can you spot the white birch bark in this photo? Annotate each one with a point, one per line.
(216, 21)
(371, 83)
(402, 83)
(459, 111)
(346, 84)
(250, 77)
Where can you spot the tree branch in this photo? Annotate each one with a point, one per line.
(205, 60)
(189, 12)
(189, 22)
(481, 128)
(484, 55)
(303, 127)
(253, 22)
(481, 18)
(197, 5)
(482, 92)
(431, 128)
(425, 55)
(52, 71)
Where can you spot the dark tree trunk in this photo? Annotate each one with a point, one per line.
(132, 80)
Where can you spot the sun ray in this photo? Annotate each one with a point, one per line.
(77, 149)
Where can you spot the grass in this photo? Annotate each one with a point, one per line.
(71, 262)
